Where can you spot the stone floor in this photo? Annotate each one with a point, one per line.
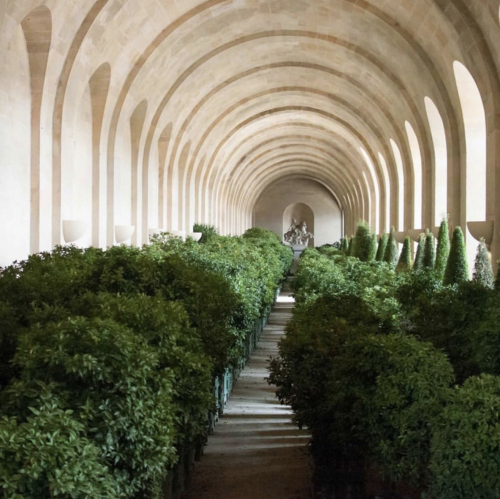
(255, 451)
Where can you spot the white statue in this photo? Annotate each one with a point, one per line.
(297, 234)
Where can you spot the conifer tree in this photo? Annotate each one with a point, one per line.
(405, 258)
(373, 248)
(391, 252)
(419, 257)
(429, 251)
(382, 246)
(364, 240)
(350, 246)
(457, 270)
(344, 245)
(443, 249)
(483, 273)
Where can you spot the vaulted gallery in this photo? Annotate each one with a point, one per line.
(159, 114)
(128, 350)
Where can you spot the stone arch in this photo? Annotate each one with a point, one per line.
(15, 154)
(37, 28)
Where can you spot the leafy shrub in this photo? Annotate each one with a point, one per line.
(49, 456)
(178, 347)
(390, 389)
(208, 231)
(485, 332)
(50, 278)
(9, 332)
(364, 242)
(119, 349)
(107, 375)
(448, 317)
(465, 445)
(308, 350)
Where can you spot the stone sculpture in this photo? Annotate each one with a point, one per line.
(297, 234)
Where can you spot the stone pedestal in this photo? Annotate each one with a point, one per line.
(298, 249)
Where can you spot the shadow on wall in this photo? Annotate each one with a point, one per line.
(299, 212)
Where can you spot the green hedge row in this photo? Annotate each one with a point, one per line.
(400, 368)
(108, 358)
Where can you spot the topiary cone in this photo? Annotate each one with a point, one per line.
(382, 246)
(419, 257)
(429, 251)
(483, 273)
(457, 270)
(391, 252)
(364, 241)
(405, 258)
(443, 249)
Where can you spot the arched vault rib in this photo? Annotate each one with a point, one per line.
(359, 123)
(331, 154)
(212, 179)
(314, 168)
(326, 166)
(365, 91)
(265, 133)
(391, 78)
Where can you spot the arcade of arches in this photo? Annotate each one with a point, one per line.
(161, 113)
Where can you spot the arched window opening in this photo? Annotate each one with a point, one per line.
(371, 169)
(474, 119)
(387, 183)
(401, 184)
(441, 160)
(475, 140)
(417, 174)
(365, 213)
(368, 207)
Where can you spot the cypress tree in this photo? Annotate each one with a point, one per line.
(419, 257)
(483, 273)
(344, 245)
(457, 270)
(373, 248)
(443, 249)
(405, 258)
(391, 252)
(364, 240)
(429, 251)
(350, 246)
(382, 246)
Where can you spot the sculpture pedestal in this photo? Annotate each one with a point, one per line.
(298, 249)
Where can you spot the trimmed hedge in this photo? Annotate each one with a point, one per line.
(119, 350)
(396, 369)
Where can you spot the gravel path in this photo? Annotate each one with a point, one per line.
(255, 451)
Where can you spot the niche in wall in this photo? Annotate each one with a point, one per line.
(299, 212)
